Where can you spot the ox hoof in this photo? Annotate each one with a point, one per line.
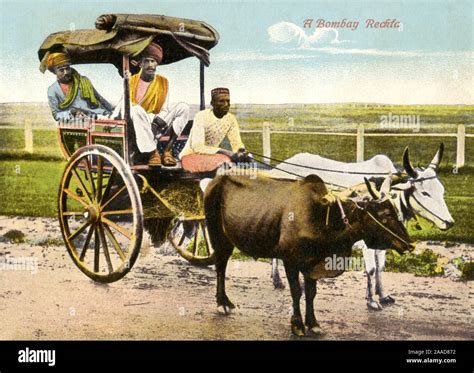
(278, 284)
(223, 310)
(374, 306)
(297, 327)
(298, 330)
(387, 301)
(316, 331)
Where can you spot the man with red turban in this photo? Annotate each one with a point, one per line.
(72, 95)
(149, 95)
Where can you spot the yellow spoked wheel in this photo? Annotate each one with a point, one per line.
(191, 240)
(100, 213)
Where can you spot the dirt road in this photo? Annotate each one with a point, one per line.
(165, 298)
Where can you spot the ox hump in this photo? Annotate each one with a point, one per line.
(382, 162)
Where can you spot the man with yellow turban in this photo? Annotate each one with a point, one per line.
(72, 95)
(151, 113)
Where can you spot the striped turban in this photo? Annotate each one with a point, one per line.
(57, 59)
(219, 91)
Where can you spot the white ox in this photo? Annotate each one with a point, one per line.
(422, 194)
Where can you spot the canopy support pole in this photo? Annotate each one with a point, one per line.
(201, 85)
(126, 100)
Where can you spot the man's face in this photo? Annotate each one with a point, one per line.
(148, 66)
(63, 73)
(221, 104)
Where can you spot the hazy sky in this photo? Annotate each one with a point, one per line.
(265, 55)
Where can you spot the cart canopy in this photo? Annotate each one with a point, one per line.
(117, 35)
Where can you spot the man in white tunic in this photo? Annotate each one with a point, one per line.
(203, 151)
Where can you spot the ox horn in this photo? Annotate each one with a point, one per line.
(437, 158)
(407, 164)
(387, 183)
(399, 178)
(374, 193)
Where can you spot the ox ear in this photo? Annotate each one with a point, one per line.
(373, 192)
(437, 158)
(316, 183)
(407, 164)
(312, 178)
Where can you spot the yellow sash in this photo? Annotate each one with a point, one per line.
(155, 95)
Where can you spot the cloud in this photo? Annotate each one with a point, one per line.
(326, 35)
(287, 32)
(326, 40)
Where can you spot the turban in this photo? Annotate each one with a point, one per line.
(219, 91)
(154, 51)
(57, 59)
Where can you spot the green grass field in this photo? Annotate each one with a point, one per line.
(29, 182)
(29, 187)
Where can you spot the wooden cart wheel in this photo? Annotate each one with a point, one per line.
(191, 240)
(100, 213)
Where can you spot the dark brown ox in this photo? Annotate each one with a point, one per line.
(295, 222)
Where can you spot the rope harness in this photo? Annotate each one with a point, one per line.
(387, 229)
(408, 194)
(331, 198)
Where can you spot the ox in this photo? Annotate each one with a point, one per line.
(297, 222)
(422, 194)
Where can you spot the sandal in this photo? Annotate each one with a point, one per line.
(168, 159)
(155, 159)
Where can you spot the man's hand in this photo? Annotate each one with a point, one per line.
(78, 113)
(243, 156)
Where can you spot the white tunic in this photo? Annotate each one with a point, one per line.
(208, 132)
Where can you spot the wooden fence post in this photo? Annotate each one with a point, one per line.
(360, 143)
(461, 146)
(28, 136)
(266, 142)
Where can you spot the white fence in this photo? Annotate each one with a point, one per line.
(360, 135)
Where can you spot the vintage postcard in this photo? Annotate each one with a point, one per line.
(236, 170)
